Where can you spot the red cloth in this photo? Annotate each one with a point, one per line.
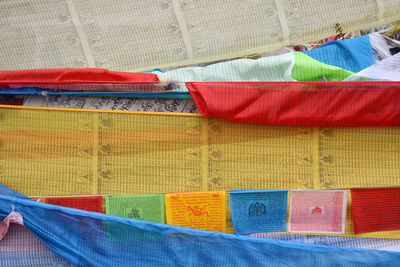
(79, 79)
(12, 102)
(82, 203)
(375, 209)
(300, 103)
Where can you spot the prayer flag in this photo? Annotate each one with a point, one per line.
(201, 210)
(318, 211)
(375, 209)
(258, 211)
(141, 207)
(82, 203)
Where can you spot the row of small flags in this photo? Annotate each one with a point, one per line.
(256, 211)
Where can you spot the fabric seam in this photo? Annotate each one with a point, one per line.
(81, 34)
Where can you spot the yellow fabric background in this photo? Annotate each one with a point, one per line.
(45, 152)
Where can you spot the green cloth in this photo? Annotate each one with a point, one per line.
(274, 68)
(143, 207)
(308, 69)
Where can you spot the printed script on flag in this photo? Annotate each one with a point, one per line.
(201, 210)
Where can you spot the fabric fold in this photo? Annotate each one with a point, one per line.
(79, 80)
(351, 54)
(300, 103)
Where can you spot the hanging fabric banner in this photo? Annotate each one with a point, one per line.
(258, 211)
(81, 203)
(300, 103)
(141, 207)
(201, 210)
(318, 211)
(375, 209)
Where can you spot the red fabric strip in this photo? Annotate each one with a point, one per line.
(300, 103)
(73, 76)
(375, 209)
(82, 203)
(12, 102)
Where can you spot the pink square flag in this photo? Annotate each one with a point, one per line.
(318, 211)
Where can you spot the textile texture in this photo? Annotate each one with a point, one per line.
(92, 239)
(92, 203)
(113, 153)
(141, 35)
(258, 211)
(141, 207)
(375, 209)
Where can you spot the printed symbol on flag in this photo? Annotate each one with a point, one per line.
(134, 213)
(197, 211)
(201, 210)
(216, 195)
(257, 209)
(175, 197)
(316, 210)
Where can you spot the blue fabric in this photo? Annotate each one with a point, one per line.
(92, 239)
(31, 259)
(258, 211)
(339, 241)
(38, 91)
(4, 190)
(157, 69)
(353, 54)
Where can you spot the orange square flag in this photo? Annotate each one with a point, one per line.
(201, 210)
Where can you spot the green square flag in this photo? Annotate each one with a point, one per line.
(142, 207)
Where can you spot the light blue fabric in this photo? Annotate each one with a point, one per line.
(38, 91)
(92, 239)
(258, 211)
(339, 241)
(353, 54)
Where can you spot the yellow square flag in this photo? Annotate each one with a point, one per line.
(201, 210)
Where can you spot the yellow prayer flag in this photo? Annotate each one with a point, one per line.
(201, 210)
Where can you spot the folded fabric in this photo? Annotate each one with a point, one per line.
(300, 103)
(258, 211)
(293, 66)
(88, 244)
(353, 54)
(308, 69)
(45, 92)
(142, 207)
(375, 209)
(379, 46)
(274, 68)
(75, 79)
(386, 70)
